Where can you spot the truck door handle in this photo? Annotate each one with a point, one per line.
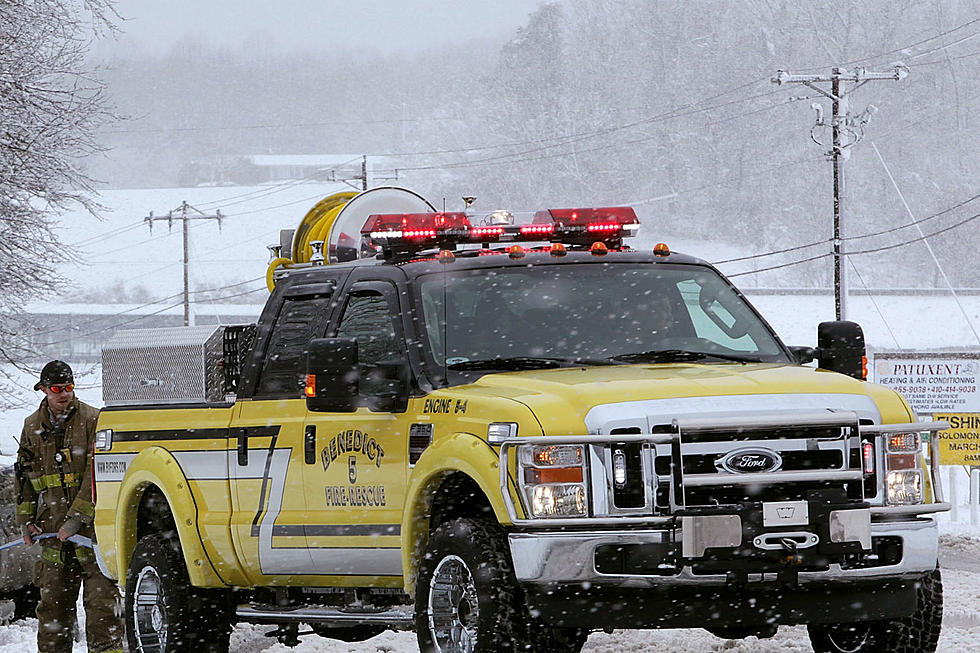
(309, 444)
(242, 447)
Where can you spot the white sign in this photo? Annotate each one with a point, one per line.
(932, 383)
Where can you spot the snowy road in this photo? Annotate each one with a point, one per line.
(961, 625)
(960, 555)
(961, 632)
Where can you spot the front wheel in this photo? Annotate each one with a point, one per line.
(917, 633)
(466, 597)
(164, 612)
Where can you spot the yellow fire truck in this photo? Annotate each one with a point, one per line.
(504, 431)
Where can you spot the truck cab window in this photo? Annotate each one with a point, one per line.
(368, 319)
(284, 370)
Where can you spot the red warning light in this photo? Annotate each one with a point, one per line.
(604, 227)
(868, 454)
(487, 232)
(537, 229)
(413, 225)
(515, 251)
(619, 215)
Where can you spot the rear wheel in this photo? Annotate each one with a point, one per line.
(164, 612)
(917, 633)
(466, 597)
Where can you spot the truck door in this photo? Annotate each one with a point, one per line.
(267, 440)
(357, 481)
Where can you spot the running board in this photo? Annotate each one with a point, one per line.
(392, 619)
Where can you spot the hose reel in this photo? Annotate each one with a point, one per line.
(334, 223)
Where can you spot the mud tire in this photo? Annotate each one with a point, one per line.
(917, 633)
(475, 552)
(192, 619)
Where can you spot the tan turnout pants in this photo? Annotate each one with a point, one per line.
(58, 576)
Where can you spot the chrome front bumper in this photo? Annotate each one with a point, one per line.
(569, 557)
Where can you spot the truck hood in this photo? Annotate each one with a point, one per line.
(597, 399)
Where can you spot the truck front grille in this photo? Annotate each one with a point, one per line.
(711, 463)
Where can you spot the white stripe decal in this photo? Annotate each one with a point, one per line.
(203, 465)
(358, 561)
(215, 465)
(279, 560)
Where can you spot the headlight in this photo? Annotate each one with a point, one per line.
(904, 487)
(904, 479)
(552, 478)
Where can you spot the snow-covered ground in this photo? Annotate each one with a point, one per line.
(960, 553)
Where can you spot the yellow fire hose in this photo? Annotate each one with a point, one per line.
(314, 226)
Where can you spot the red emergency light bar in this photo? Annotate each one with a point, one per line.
(409, 233)
(413, 225)
(620, 215)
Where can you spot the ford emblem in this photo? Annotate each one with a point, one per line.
(750, 461)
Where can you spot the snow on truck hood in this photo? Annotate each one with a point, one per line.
(601, 398)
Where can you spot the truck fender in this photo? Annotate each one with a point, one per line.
(156, 466)
(459, 453)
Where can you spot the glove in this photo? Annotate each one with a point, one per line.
(71, 526)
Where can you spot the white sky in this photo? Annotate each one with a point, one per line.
(383, 25)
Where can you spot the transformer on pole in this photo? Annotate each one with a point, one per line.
(846, 132)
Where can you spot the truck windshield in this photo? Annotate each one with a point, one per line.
(572, 314)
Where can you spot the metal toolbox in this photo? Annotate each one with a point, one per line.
(173, 365)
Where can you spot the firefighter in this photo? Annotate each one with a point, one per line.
(54, 495)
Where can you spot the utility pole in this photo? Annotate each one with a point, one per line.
(362, 178)
(846, 132)
(184, 216)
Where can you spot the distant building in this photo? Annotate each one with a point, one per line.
(275, 168)
(76, 332)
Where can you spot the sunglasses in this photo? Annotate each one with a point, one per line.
(58, 389)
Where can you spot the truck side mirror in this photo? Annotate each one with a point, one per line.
(841, 347)
(390, 380)
(803, 355)
(332, 375)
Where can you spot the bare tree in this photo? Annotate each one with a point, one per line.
(50, 104)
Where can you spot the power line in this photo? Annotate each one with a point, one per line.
(948, 45)
(855, 253)
(944, 60)
(153, 303)
(515, 157)
(780, 266)
(920, 238)
(859, 237)
(904, 48)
